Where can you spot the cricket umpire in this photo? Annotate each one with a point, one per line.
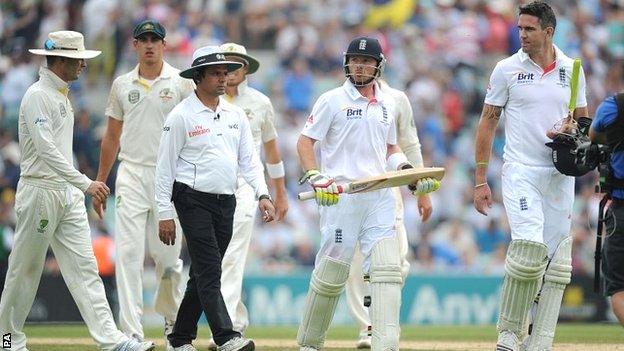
(205, 142)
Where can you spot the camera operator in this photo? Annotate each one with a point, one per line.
(608, 128)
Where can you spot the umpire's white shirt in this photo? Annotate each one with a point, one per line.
(353, 132)
(533, 100)
(143, 107)
(46, 125)
(204, 149)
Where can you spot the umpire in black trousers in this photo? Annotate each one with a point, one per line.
(205, 142)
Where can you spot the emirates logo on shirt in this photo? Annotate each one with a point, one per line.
(198, 130)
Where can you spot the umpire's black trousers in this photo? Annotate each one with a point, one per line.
(206, 220)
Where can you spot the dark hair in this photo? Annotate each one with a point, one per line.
(542, 11)
(199, 74)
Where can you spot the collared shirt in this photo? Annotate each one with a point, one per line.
(407, 135)
(353, 132)
(46, 125)
(142, 108)
(606, 115)
(533, 101)
(205, 149)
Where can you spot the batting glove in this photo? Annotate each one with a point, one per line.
(325, 189)
(424, 186)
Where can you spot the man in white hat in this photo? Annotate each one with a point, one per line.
(261, 117)
(50, 203)
(205, 142)
(138, 104)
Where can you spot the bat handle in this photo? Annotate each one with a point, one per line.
(308, 195)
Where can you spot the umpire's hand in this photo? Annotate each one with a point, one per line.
(166, 231)
(267, 209)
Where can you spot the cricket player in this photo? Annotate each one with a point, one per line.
(49, 203)
(356, 127)
(531, 89)
(138, 104)
(261, 116)
(407, 138)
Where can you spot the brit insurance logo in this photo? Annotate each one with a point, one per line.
(198, 130)
(353, 113)
(525, 78)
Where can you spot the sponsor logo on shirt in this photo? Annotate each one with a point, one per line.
(310, 120)
(384, 118)
(248, 113)
(233, 126)
(353, 113)
(41, 120)
(525, 78)
(166, 128)
(523, 204)
(133, 96)
(197, 131)
(165, 94)
(42, 226)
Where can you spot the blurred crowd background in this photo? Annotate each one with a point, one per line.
(440, 52)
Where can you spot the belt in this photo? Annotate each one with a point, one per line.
(183, 188)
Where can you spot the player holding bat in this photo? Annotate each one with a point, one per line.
(355, 127)
(532, 89)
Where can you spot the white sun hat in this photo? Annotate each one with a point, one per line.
(65, 43)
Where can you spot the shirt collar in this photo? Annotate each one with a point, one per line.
(197, 106)
(354, 94)
(559, 55)
(51, 79)
(165, 72)
(241, 90)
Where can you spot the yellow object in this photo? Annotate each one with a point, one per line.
(394, 12)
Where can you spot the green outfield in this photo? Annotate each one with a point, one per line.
(570, 337)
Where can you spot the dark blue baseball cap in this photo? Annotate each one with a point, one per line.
(149, 26)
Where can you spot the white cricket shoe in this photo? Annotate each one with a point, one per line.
(364, 342)
(132, 345)
(185, 347)
(507, 341)
(212, 345)
(308, 348)
(238, 343)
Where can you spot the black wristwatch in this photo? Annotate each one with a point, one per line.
(265, 196)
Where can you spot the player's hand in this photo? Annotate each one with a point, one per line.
(167, 232)
(99, 207)
(281, 206)
(424, 186)
(325, 188)
(566, 125)
(424, 207)
(98, 190)
(267, 209)
(482, 199)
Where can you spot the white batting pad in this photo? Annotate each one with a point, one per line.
(524, 268)
(327, 283)
(558, 275)
(385, 284)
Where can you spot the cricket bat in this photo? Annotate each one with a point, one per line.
(386, 180)
(576, 71)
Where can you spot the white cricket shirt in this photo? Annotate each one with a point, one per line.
(46, 128)
(205, 149)
(143, 107)
(353, 132)
(533, 100)
(407, 135)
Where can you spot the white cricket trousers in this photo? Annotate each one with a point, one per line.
(54, 215)
(137, 223)
(538, 202)
(366, 218)
(356, 288)
(235, 258)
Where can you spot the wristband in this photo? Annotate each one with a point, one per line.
(396, 161)
(276, 170)
(265, 196)
(480, 185)
(482, 163)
